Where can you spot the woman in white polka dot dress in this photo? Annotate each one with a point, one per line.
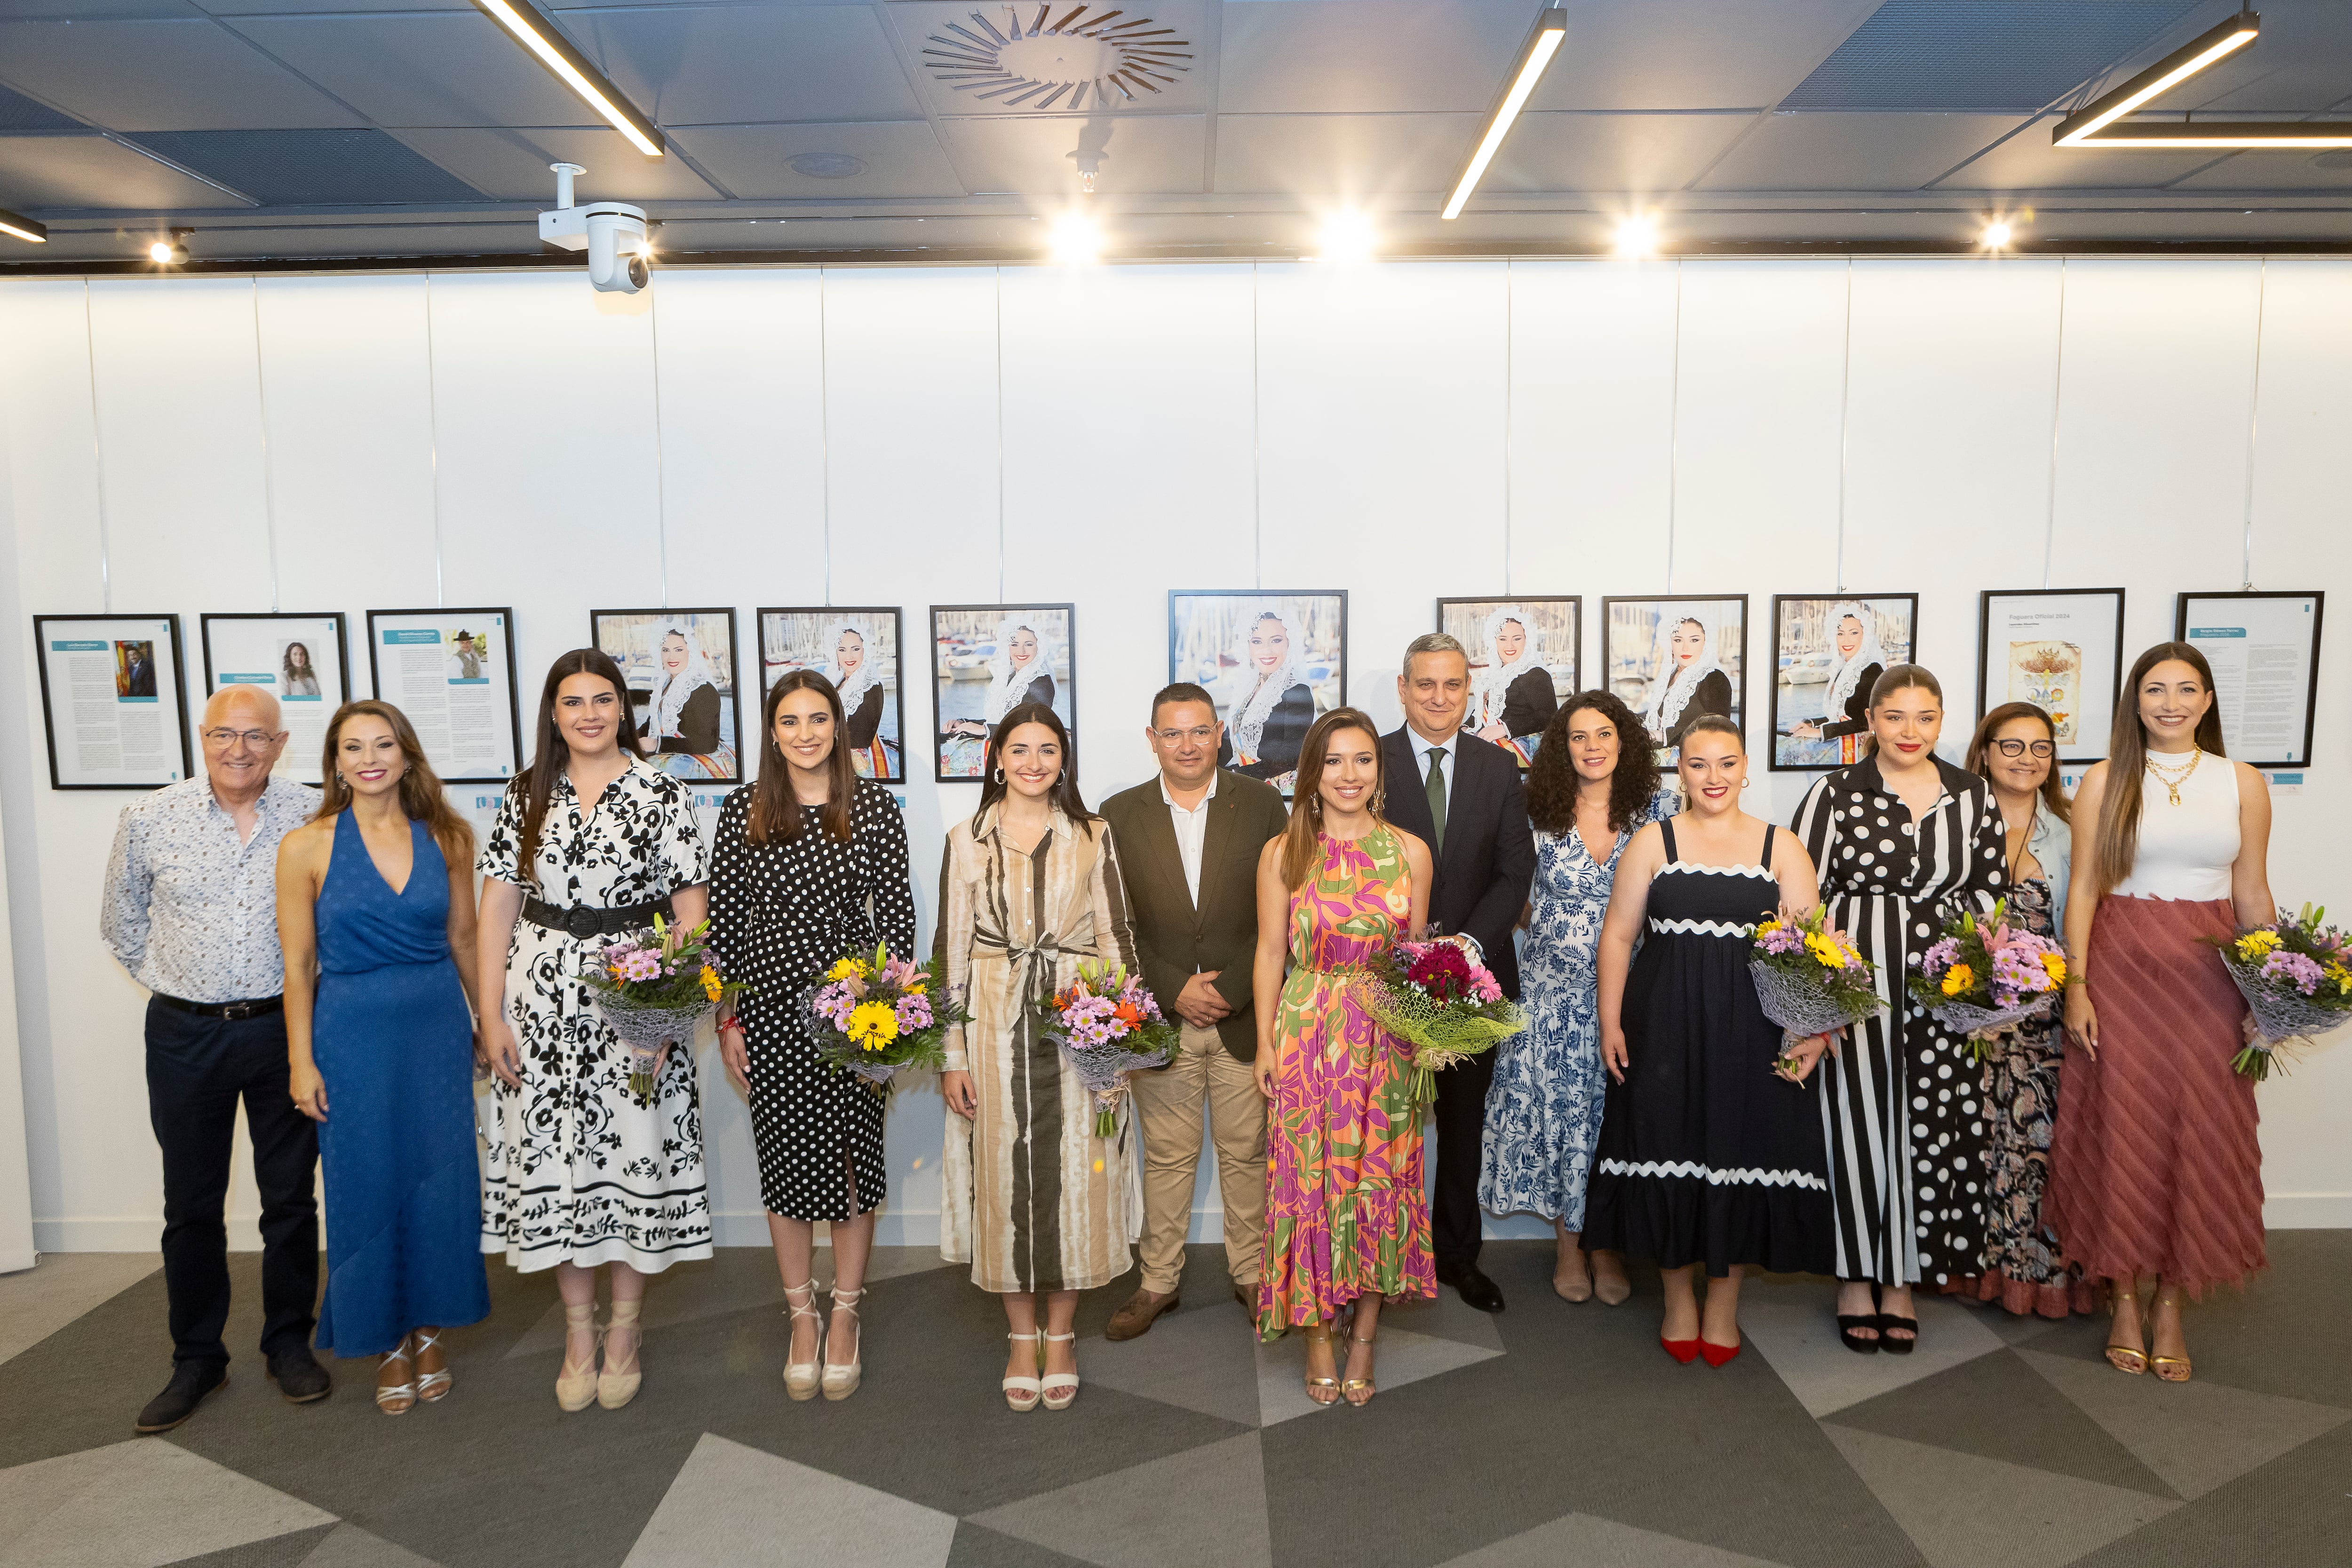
(1902, 840)
(810, 865)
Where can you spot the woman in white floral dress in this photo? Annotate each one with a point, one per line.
(579, 1173)
(1593, 785)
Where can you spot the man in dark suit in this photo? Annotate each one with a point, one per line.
(1463, 796)
(1189, 843)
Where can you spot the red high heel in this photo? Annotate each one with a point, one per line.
(1682, 1351)
(1717, 1355)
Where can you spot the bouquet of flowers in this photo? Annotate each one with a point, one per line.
(1809, 978)
(651, 986)
(877, 1015)
(2296, 977)
(1443, 1003)
(1107, 1026)
(1986, 975)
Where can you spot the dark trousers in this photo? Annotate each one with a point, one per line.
(198, 1070)
(1454, 1219)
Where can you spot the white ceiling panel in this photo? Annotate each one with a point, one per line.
(39, 172)
(427, 68)
(1690, 54)
(1854, 151)
(513, 164)
(77, 10)
(161, 76)
(899, 158)
(2284, 170)
(1339, 57)
(1643, 152)
(1025, 44)
(736, 64)
(2027, 162)
(2296, 65)
(1038, 155)
(309, 7)
(1356, 157)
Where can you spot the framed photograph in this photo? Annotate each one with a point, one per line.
(2265, 650)
(988, 659)
(856, 649)
(301, 660)
(681, 667)
(1828, 651)
(111, 700)
(1524, 663)
(2061, 649)
(1673, 658)
(453, 673)
(1272, 661)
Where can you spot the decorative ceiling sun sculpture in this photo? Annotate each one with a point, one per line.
(1016, 62)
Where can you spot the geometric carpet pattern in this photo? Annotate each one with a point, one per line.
(1548, 1435)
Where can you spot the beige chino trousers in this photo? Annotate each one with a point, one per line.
(1168, 1102)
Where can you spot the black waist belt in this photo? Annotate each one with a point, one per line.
(584, 922)
(260, 1007)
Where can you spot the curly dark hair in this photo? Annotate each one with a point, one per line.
(1551, 782)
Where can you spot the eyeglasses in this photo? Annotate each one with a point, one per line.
(257, 739)
(2041, 749)
(1200, 734)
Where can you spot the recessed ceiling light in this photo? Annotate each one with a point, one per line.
(1347, 236)
(1543, 41)
(1636, 235)
(827, 165)
(1076, 240)
(1996, 236)
(170, 251)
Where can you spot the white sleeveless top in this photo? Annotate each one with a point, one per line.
(2186, 851)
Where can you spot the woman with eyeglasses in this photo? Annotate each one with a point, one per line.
(2015, 750)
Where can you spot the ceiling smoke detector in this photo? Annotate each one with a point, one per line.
(1013, 62)
(827, 165)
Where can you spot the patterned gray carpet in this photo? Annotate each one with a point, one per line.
(1549, 1435)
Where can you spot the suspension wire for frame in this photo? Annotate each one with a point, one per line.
(1258, 487)
(1845, 403)
(2057, 387)
(268, 478)
(1000, 436)
(2254, 414)
(98, 457)
(1506, 425)
(433, 442)
(661, 501)
(825, 435)
(1674, 424)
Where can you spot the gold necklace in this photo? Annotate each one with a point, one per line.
(2172, 781)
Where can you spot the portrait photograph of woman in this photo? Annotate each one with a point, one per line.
(1827, 654)
(681, 667)
(299, 658)
(1671, 659)
(856, 648)
(1272, 661)
(988, 659)
(1523, 661)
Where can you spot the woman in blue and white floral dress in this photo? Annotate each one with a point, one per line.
(1593, 785)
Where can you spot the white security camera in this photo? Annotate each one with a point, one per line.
(612, 232)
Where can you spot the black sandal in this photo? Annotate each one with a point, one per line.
(1848, 1323)
(1888, 1321)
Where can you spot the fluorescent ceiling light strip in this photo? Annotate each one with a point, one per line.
(1551, 30)
(23, 227)
(2131, 138)
(2232, 35)
(537, 36)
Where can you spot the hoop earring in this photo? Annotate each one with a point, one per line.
(997, 777)
(1745, 782)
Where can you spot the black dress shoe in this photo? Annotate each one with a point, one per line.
(1476, 1288)
(299, 1377)
(191, 1380)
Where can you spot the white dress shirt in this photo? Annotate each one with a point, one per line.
(191, 908)
(1422, 746)
(1191, 831)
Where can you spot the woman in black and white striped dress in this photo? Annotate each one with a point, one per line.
(1902, 840)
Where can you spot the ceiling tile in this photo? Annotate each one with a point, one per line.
(43, 172)
(1159, 42)
(742, 65)
(1638, 153)
(1036, 155)
(312, 168)
(1355, 157)
(1990, 55)
(2027, 162)
(512, 164)
(160, 76)
(18, 112)
(77, 10)
(1854, 151)
(426, 68)
(900, 158)
(2286, 169)
(308, 7)
(2298, 64)
(1367, 55)
(1689, 54)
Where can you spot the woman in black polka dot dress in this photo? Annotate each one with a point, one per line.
(1902, 840)
(810, 865)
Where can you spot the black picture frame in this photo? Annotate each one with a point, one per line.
(596, 619)
(1486, 604)
(501, 615)
(1775, 763)
(1179, 625)
(171, 623)
(1609, 603)
(898, 686)
(2182, 632)
(2089, 745)
(1065, 691)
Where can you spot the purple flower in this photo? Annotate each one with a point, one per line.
(2298, 969)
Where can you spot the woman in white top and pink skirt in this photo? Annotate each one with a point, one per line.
(2154, 1166)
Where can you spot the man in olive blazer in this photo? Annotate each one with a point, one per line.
(1189, 843)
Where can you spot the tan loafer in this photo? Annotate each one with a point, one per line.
(1138, 1313)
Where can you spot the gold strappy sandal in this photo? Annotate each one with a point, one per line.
(2159, 1363)
(1347, 1389)
(1320, 1335)
(2123, 1358)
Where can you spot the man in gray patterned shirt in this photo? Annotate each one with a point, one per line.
(191, 910)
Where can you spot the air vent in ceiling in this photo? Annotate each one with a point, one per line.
(1011, 58)
(310, 168)
(18, 112)
(1984, 56)
(827, 165)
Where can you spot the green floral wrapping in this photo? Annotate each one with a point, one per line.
(1437, 1035)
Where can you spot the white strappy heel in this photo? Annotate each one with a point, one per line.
(841, 1382)
(430, 1386)
(1022, 1393)
(801, 1377)
(1064, 1384)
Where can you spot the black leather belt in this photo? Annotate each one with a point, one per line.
(583, 920)
(258, 1008)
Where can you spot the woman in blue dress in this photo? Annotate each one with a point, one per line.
(1593, 785)
(375, 894)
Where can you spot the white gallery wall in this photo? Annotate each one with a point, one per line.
(1404, 430)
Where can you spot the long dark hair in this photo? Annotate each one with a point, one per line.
(1552, 781)
(1063, 795)
(549, 756)
(2117, 844)
(1299, 849)
(775, 810)
(2054, 798)
(421, 798)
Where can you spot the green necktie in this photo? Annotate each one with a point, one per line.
(1437, 785)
